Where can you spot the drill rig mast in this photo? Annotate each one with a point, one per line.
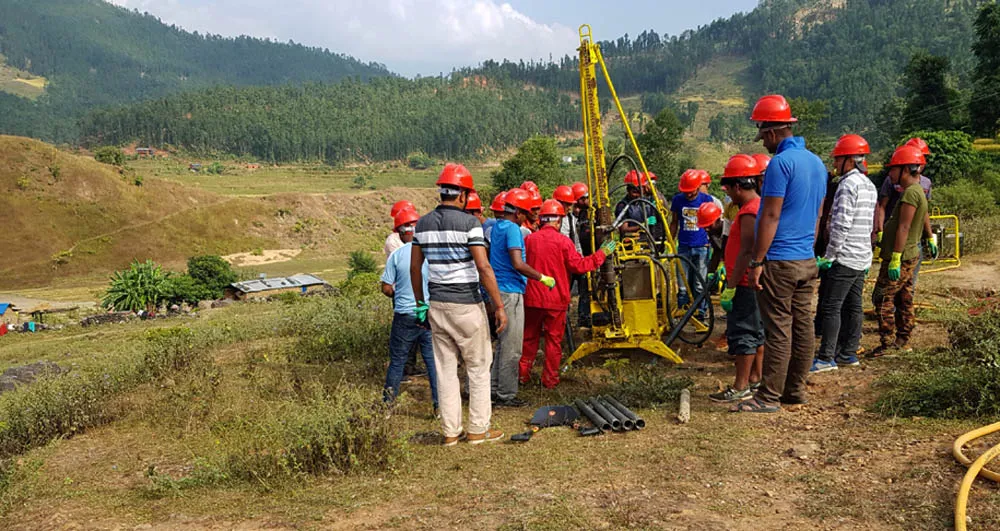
(634, 294)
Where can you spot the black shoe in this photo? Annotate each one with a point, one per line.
(510, 402)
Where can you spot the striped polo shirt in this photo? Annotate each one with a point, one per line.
(445, 236)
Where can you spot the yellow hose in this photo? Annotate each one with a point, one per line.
(977, 467)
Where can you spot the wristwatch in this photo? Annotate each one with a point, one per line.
(754, 264)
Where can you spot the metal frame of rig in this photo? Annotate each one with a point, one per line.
(634, 294)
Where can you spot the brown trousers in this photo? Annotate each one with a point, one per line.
(786, 307)
(893, 300)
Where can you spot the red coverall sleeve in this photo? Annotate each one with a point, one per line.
(578, 264)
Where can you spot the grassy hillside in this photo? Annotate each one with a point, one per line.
(68, 218)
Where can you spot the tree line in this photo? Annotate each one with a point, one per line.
(385, 118)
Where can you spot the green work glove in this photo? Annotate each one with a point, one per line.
(878, 237)
(421, 311)
(726, 299)
(608, 247)
(548, 281)
(933, 248)
(822, 263)
(895, 266)
(651, 220)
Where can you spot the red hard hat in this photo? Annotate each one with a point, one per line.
(634, 179)
(919, 143)
(580, 190)
(762, 161)
(850, 145)
(536, 198)
(529, 186)
(773, 108)
(564, 194)
(456, 175)
(741, 165)
(907, 156)
(407, 215)
(475, 203)
(690, 181)
(400, 205)
(708, 214)
(552, 207)
(706, 178)
(498, 202)
(519, 198)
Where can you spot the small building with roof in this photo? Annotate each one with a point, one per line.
(264, 287)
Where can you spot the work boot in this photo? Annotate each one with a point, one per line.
(510, 402)
(487, 436)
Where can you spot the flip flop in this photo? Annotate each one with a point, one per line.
(753, 406)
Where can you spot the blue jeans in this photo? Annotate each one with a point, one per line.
(695, 272)
(406, 333)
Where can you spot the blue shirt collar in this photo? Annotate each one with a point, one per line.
(792, 142)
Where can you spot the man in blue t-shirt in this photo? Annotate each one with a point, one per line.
(783, 263)
(406, 332)
(692, 240)
(512, 272)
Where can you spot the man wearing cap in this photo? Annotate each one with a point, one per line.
(582, 211)
(392, 241)
(457, 262)
(692, 241)
(406, 332)
(551, 253)
(783, 264)
(847, 256)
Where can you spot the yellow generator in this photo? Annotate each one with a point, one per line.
(634, 294)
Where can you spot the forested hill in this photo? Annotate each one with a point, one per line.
(850, 53)
(95, 54)
(385, 118)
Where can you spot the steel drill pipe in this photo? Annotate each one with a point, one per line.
(616, 424)
(639, 423)
(589, 412)
(627, 423)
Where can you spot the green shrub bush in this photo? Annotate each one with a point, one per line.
(420, 161)
(979, 235)
(964, 199)
(361, 262)
(963, 381)
(344, 432)
(361, 285)
(110, 155)
(342, 328)
(643, 386)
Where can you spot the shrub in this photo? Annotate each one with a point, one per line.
(360, 285)
(185, 289)
(342, 328)
(215, 168)
(964, 199)
(140, 287)
(961, 382)
(420, 161)
(952, 155)
(344, 432)
(23, 182)
(110, 155)
(979, 235)
(361, 262)
(212, 272)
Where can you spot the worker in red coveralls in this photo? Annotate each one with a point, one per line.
(551, 254)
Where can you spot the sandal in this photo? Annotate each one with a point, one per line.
(753, 406)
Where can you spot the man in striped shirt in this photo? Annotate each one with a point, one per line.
(455, 248)
(848, 256)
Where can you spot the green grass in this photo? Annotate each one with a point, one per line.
(19, 82)
(238, 180)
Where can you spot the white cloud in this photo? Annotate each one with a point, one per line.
(410, 36)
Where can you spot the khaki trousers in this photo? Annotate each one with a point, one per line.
(461, 331)
(786, 307)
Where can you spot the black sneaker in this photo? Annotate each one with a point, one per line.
(510, 402)
(731, 395)
(884, 352)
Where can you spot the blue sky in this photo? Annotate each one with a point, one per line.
(431, 36)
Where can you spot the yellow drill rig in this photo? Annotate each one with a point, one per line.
(634, 294)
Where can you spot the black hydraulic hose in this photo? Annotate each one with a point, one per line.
(616, 425)
(619, 158)
(597, 420)
(636, 419)
(675, 333)
(627, 423)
